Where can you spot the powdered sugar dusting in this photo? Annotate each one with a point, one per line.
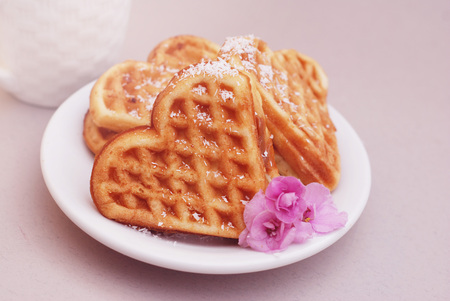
(255, 61)
(240, 45)
(266, 73)
(135, 114)
(251, 58)
(202, 116)
(151, 100)
(226, 94)
(200, 90)
(142, 92)
(210, 68)
(167, 69)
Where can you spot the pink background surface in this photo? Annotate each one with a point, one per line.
(388, 64)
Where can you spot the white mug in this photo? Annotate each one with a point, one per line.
(50, 48)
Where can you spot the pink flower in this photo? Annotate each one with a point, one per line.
(284, 197)
(267, 233)
(321, 212)
(263, 231)
(288, 212)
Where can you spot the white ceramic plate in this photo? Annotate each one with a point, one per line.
(66, 166)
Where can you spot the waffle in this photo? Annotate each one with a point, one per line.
(123, 96)
(293, 89)
(194, 169)
(181, 51)
(94, 136)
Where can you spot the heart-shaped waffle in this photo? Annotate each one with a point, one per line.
(94, 136)
(181, 51)
(293, 89)
(193, 170)
(123, 96)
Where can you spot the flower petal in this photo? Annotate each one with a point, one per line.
(254, 207)
(303, 231)
(318, 193)
(327, 218)
(243, 238)
(261, 224)
(284, 238)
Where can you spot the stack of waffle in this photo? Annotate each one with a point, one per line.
(184, 140)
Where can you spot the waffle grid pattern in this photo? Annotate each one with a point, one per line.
(193, 168)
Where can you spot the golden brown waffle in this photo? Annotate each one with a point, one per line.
(123, 96)
(293, 89)
(181, 51)
(94, 136)
(194, 169)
